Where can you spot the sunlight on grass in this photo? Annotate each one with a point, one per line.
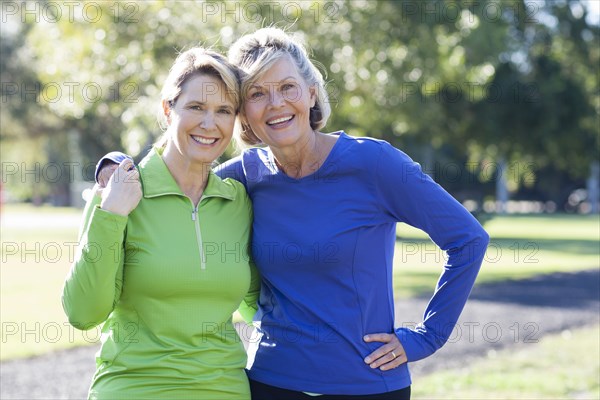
(560, 366)
(38, 246)
(520, 247)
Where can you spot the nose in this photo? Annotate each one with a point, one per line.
(208, 121)
(276, 99)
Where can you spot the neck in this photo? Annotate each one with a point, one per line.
(302, 158)
(305, 157)
(191, 177)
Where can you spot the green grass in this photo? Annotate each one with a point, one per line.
(38, 245)
(560, 366)
(520, 247)
(30, 282)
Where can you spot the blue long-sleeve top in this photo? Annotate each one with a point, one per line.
(324, 245)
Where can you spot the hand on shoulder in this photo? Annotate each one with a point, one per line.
(123, 191)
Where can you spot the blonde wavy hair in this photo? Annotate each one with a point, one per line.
(256, 52)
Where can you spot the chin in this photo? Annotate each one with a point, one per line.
(204, 158)
(284, 139)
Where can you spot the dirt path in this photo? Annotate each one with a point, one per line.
(506, 314)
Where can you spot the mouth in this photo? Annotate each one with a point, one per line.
(204, 141)
(280, 121)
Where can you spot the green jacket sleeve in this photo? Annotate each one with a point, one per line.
(93, 285)
(249, 305)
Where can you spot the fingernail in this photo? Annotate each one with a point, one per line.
(367, 360)
(366, 337)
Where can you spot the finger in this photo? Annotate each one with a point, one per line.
(132, 176)
(393, 357)
(394, 363)
(106, 173)
(378, 337)
(125, 172)
(380, 356)
(126, 165)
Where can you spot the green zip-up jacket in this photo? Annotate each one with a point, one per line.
(165, 281)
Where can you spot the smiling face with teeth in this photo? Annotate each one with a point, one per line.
(200, 120)
(277, 106)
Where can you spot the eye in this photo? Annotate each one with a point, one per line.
(256, 95)
(226, 111)
(194, 107)
(287, 86)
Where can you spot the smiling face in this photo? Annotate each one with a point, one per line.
(200, 121)
(277, 106)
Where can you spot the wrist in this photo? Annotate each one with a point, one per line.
(113, 208)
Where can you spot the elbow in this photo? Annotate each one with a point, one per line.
(82, 325)
(83, 319)
(84, 322)
(483, 237)
(479, 244)
(480, 239)
(80, 315)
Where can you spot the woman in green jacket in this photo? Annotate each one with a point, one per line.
(163, 260)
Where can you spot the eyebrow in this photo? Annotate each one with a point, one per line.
(203, 103)
(255, 86)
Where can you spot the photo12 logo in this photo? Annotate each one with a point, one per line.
(257, 11)
(70, 11)
(69, 92)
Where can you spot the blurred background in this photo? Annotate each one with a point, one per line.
(498, 100)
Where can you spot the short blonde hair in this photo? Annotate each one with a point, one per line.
(255, 53)
(200, 61)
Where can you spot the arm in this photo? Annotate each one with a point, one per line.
(94, 282)
(93, 285)
(249, 305)
(108, 164)
(408, 195)
(233, 169)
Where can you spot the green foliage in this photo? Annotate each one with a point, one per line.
(450, 80)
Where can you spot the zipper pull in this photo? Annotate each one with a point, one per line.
(194, 212)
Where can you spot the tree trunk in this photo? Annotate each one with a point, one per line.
(501, 187)
(593, 188)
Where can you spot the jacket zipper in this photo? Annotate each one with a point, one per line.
(198, 235)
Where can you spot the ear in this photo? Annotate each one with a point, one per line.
(313, 96)
(166, 110)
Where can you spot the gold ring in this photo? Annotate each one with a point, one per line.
(394, 354)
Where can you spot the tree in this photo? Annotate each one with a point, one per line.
(450, 82)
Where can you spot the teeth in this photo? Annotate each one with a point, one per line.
(202, 140)
(279, 120)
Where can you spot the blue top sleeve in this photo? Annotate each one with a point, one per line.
(114, 156)
(230, 169)
(233, 169)
(408, 195)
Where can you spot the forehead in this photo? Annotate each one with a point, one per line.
(206, 89)
(281, 69)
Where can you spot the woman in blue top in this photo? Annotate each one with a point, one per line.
(325, 214)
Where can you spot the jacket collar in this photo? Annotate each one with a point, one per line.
(157, 179)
